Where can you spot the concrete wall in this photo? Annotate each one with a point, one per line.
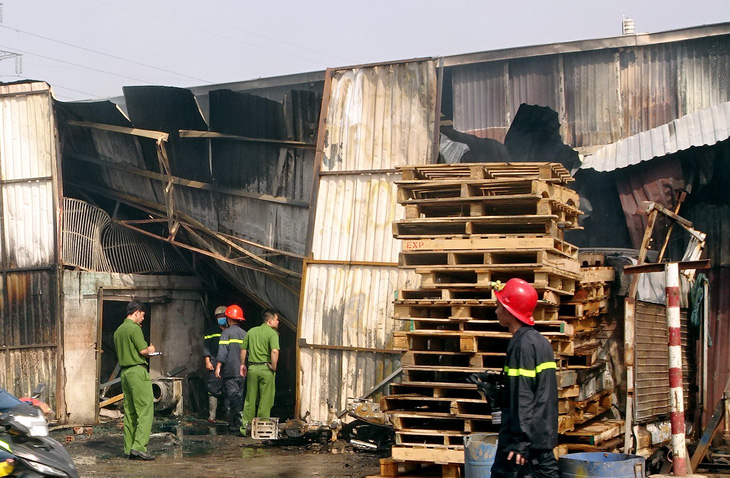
(176, 328)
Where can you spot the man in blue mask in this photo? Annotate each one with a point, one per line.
(210, 351)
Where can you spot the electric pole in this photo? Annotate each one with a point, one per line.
(8, 55)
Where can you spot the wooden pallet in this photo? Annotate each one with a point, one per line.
(478, 325)
(420, 209)
(441, 304)
(554, 172)
(392, 467)
(595, 433)
(478, 225)
(444, 424)
(593, 291)
(505, 242)
(479, 258)
(492, 189)
(583, 309)
(542, 278)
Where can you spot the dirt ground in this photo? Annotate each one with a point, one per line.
(193, 448)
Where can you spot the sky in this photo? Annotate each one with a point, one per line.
(90, 49)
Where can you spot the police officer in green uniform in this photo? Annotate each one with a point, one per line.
(261, 346)
(136, 385)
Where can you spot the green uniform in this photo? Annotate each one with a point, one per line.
(260, 381)
(136, 386)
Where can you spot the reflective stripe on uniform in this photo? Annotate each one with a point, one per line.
(211, 336)
(230, 341)
(5, 446)
(522, 372)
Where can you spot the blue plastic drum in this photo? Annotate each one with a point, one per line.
(609, 465)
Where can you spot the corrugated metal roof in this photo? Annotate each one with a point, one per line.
(601, 95)
(623, 41)
(705, 127)
(377, 117)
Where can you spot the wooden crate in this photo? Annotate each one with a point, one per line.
(553, 172)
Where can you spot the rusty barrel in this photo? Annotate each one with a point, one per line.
(597, 464)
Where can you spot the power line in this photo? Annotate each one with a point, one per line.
(102, 53)
(213, 34)
(247, 32)
(81, 66)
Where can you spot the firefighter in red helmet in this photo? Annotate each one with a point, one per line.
(529, 429)
(229, 365)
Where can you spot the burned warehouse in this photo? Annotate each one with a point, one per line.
(303, 194)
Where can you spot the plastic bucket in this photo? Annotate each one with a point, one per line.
(479, 452)
(613, 465)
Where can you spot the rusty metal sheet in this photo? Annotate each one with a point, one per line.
(657, 181)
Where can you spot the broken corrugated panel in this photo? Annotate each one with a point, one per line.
(378, 117)
(706, 127)
(170, 109)
(591, 98)
(657, 181)
(480, 107)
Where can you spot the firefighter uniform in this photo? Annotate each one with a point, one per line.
(136, 386)
(229, 356)
(530, 414)
(214, 385)
(260, 380)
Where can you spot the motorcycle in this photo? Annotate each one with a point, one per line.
(25, 446)
(369, 430)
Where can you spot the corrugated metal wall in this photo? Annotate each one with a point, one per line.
(600, 95)
(376, 117)
(28, 261)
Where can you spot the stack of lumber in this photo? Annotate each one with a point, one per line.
(467, 226)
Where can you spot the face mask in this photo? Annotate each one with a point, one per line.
(222, 321)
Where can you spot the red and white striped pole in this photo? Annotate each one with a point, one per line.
(676, 394)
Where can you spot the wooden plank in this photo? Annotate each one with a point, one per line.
(111, 401)
(493, 242)
(597, 274)
(428, 455)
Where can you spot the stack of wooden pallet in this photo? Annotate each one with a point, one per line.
(466, 227)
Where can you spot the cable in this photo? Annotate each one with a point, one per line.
(246, 32)
(102, 53)
(76, 64)
(318, 62)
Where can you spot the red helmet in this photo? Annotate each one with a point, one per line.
(519, 298)
(234, 312)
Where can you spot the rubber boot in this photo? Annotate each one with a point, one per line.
(212, 407)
